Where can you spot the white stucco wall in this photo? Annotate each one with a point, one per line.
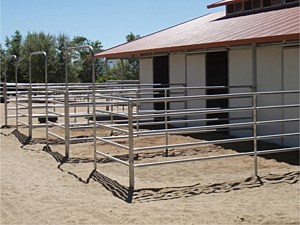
(240, 73)
(177, 73)
(146, 77)
(177, 68)
(269, 78)
(196, 77)
(277, 69)
(291, 82)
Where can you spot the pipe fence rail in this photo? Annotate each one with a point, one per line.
(137, 118)
(134, 113)
(120, 110)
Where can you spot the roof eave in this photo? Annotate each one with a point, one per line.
(258, 40)
(222, 3)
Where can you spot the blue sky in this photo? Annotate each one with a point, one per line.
(108, 21)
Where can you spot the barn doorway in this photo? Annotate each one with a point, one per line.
(160, 76)
(217, 75)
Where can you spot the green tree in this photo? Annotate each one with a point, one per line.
(132, 37)
(79, 63)
(62, 42)
(125, 69)
(133, 63)
(82, 59)
(13, 46)
(35, 42)
(2, 56)
(120, 70)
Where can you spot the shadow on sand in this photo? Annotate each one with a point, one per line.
(168, 193)
(24, 139)
(129, 195)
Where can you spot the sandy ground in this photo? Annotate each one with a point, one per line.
(38, 187)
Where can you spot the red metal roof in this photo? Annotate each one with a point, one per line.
(213, 30)
(221, 3)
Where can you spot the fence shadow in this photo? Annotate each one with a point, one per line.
(129, 195)
(168, 193)
(291, 158)
(122, 192)
(24, 139)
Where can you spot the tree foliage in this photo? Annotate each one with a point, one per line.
(13, 46)
(83, 61)
(79, 62)
(125, 69)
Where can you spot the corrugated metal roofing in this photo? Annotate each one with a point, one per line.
(221, 3)
(213, 30)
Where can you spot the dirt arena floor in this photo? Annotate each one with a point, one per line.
(38, 186)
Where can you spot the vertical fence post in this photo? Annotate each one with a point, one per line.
(30, 90)
(166, 123)
(16, 80)
(130, 144)
(4, 91)
(67, 97)
(106, 80)
(67, 123)
(254, 103)
(137, 111)
(94, 106)
(88, 106)
(47, 104)
(75, 108)
(5, 101)
(66, 109)
(186, 101)
(30, 100)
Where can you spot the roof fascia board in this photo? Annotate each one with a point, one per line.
(201, 51)
(153, 55)
(226, 44)
(222, 3)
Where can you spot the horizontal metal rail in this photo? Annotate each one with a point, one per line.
(264, 152)
(91, 100)
(111, 142)
(113, 128)
(124, 115)
(281, 150)
(79, 127)
(60, 125)
(199, 128)
(81, 139)
(193, 159)
(273, 136)
(278, 106)
(22, 122)
(113, 158)
(189, 113)
(56, 135)
(194, 144)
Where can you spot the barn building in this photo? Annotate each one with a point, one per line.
(252, 43)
